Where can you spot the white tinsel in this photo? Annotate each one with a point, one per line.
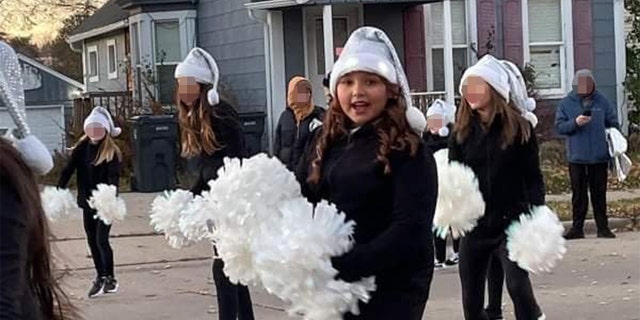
(535, 242)
(460, 203)
(57, 203)
(267, 234)
(108, 205)
(166, 210)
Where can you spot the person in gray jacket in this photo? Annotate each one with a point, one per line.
(582, 117)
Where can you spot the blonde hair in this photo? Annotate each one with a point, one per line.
(196, 133)
(108, 149)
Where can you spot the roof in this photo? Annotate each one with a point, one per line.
(108, 14)
(276, 4)
(50, 71)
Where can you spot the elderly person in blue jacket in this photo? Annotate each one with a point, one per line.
(583, 117)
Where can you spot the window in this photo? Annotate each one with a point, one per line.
(112, 59)
(168, 55)
(93, 63)
(340, 35)
(435, 43)
(544, 44)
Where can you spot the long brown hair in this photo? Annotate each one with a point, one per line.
(513, 124)
(108, 149)
(394, 132)
(53, 302)
(196, 133)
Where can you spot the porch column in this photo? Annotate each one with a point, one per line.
(327, 27)
(448, 52)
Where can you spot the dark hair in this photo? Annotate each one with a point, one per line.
(54, 303)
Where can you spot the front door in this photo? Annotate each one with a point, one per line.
(346, 18)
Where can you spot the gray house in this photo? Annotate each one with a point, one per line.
(260, 45)
(49, 101)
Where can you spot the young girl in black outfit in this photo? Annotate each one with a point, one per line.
(96, 159)
(492, 137)
(371, 163)
(440, 119)
(210, 130)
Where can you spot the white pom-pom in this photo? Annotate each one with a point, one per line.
(195, 221)
(460, 203)
(531, 117)
(165, 215)
(108, 205)
(535, 242)
(57, 203)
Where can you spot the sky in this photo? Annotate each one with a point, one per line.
(40, 19)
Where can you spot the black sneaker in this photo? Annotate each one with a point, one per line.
(97, 288)
(494, 315)
(452, 261)
(438, 265)
(110, 285)
(606, 233)
(574, 234)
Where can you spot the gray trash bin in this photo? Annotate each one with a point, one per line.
(154, 148)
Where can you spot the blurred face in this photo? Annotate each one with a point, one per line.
(477, 93)
(303, 95)
(188, 90)
(585, 85)
(95, 131)
(434, 123)
(362, 96)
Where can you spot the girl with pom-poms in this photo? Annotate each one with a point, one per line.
(210, 130)
(368, 159)
(96, 160)
(494, 137)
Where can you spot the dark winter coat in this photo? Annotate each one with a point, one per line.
(586, 144)
(435, 142)
(228, 132)
(510, 180)
(291, 138)
(393, 215)
(17, 301)
(89, 176)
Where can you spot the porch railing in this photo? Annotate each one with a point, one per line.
(422, 100)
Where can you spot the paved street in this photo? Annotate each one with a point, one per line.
(598, 279)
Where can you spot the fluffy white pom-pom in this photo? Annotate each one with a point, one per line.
(57, 203)
(195, 220)
(165, 216)
(108, 205)
(460, 203)
(535, 242)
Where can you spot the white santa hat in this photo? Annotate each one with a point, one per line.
(504, 77)
(446, 110)
(34, 153)
(369, 49)
(101, 116)
(200, 65)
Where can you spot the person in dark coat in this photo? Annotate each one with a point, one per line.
(296, 122)
(96, 159)
(440, 119)
(493, 137)
(582, 118)
(369, 162)
(210, 130)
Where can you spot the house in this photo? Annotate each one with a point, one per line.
(259, 45)
(48, 102)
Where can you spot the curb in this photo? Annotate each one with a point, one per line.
(621, 224)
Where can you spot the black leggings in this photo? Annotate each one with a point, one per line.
(592, 178)
(98, 238)
(234, 301)
(476, 250)
(441, 247)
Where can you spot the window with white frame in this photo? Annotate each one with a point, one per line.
(545, 47)
(435, 43)
(112, 59)
(168, 55)
(92, 53)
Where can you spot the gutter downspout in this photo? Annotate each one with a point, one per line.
(262, 17)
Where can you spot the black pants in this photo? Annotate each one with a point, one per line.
(441, 247)
(98, 238)
(594, 178)
(234, 301)
(495, 280)
(476, 250)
